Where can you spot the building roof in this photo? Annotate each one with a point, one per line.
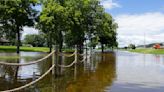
(2, 40)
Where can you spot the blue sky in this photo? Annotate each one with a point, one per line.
(135, 6)
(135, 18)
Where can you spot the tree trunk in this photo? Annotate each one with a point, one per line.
(18, 39)
(60, 46)
(50, 42)
(60, 41)
(16, 71)
(50, 48)
(80, 48)
(102, 48)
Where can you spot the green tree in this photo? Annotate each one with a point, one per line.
(93, 42)
(75, 21)
(52, 22)
(132, 46)
(106, 31)
(36, 40)
(16, 15)
(8, 34)
(83, 19)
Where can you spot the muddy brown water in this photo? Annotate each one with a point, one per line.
(117, 71)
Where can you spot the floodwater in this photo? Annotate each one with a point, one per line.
(117, 71)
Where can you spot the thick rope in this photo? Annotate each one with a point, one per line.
(31, 83)
(30, 63)
(75, 61)
(66, 66)
(83, 59)
(61, 54)
(82, 54)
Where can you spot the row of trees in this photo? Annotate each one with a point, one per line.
(61, 21)
(35, 40)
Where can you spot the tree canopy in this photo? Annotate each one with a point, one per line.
(35, 40)
(74, 21)
(63, 22)
(16, 14)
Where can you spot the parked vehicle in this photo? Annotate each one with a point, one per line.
(157, 46)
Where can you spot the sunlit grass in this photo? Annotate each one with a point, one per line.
(33, 49)
(148, 51)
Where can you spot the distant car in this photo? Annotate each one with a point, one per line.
(157, 46)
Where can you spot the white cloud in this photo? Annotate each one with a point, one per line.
(109, 4)
(29, 30)
(133, 27)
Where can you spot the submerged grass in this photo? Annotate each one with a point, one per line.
(28, 58)
(9, 57)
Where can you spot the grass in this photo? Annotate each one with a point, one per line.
(148, 51)
(9, 58)
(27, 49)
(16, 57)
(33, 49)
(68, 50)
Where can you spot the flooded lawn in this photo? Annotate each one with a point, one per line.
(109, 72)
(138, 73)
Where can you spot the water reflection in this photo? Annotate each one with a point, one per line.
(138, 73)
(109, 72)
(14, 76)
(91, 76)
(96, 80)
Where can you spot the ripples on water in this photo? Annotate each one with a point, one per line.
(109, 72)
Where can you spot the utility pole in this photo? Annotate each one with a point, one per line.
(144, 40)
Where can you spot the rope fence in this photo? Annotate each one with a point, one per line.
(83, 59)
(61, 54)
(75, 60)
(30, 63)
(31, 83)
(55, 52)
(82, 54)
(66, 66)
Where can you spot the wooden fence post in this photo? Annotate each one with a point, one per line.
(53, 59)
(76, 53)
(56, 59)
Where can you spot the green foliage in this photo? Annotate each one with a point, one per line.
(69, 21)
(35, 40)
(132, 46)
(76, 21)
(53, 22)
(83, 19)
(94, 42)
(16, 15)
(106, 31)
